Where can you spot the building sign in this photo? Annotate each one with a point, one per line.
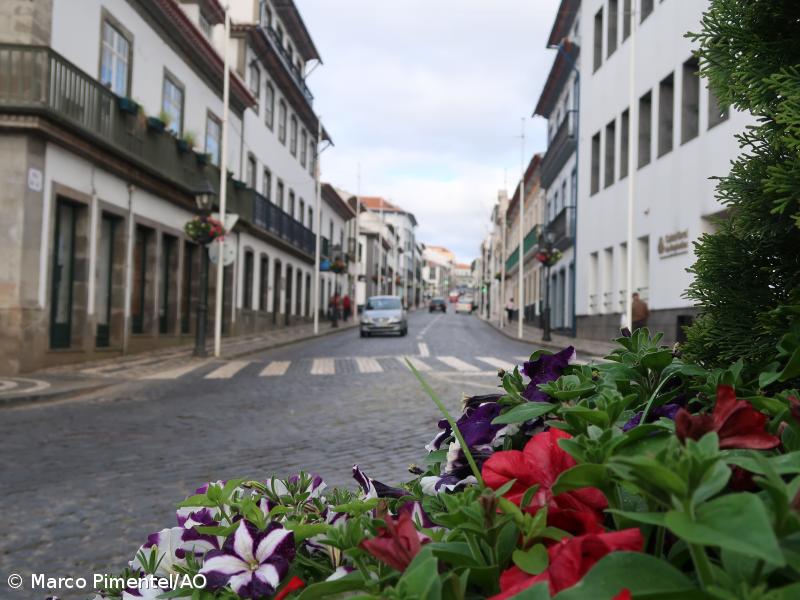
(673, 244)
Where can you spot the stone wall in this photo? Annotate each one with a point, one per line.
(26, 21)
(607, 327)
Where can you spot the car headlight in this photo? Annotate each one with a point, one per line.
(366, 320)
(394, 320)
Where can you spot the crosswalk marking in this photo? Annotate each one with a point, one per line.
(423, 349)
(228, 370)
(418, 364)
(368, 365)
(176, 372)
(496, 362)
(457, 364)
(276, 368)
(323, 366)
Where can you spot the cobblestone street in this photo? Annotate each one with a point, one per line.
(87, 480)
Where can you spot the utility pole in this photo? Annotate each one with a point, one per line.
(502, 306)
(357, 233)
(521, 286)
(223, 185)
(318, 218)
(631, 175)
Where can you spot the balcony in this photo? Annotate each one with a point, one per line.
(561, 147)
(325, 247)
(561, 227)
(528, 243)
(36, 81)
(292, 69)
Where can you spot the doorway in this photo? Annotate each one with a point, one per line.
(63, 274)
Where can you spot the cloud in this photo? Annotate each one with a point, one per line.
(427, 96)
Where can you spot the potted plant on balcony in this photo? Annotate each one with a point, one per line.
(159, 123)
(204, 229)
(128, 105)
(203, 158)
(338, 265)
(548, 257)
(186, 142)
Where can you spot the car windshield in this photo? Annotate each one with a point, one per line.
(437, 301)
(383, 304)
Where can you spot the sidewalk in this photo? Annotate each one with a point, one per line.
(533, 335)
(80, 379)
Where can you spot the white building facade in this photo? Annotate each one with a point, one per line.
(112, 121)
(654, 130)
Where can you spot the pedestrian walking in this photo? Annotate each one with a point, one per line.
(333, 307)
(639, 312)
(346, 307)
(510, 310)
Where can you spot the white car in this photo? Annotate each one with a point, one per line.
(464, 304)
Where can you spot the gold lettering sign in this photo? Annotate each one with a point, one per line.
(673, 244)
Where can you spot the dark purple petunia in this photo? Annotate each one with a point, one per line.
(418, 514)
(468, 420)
(668, 411)
(375, 489)
(476, 424)
(251, 562)
(547, 368)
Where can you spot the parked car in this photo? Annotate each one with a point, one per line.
(465, 304)
(384, 314)
(453, 297)
(437, 304)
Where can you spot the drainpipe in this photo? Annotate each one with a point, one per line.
(126, 330)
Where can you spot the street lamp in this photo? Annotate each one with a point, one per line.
(548, 248)
(204, 199)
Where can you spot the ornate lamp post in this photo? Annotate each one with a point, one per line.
(204, 198)
(548, 249)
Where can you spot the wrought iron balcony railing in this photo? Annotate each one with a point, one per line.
(560, 148)
(297, 76)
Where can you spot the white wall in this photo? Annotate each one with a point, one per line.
(673, 193)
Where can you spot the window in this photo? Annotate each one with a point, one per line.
(269, 106)
(266, 184)
(690, 93)
(613, 17)
(205, 26)
(595, 183)
(247, 295)
(293, 136)
(310, 218)
(279, 32)
(250, 174)
(313, 158)
(282, 122)
(647, 8)
(598, 39)
(290, 51)
(574, 188)
(611, 132)
(645, 128)
(624, 144)
(62, 283)
(666, 114)
(279, 199)
(105, 278)
(716, 112)
(172, 103)
(264, 283)
(626, 19)
(115, 60)
(303, 147)
(254, 75)
(290, 210)
(302, 212)
(213, 130)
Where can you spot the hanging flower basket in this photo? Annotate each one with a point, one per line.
(338, 266)
(548, 258)
(155, 125)
(204, 230)
(128, 105)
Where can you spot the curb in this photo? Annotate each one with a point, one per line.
(539, 343)
(328, 331)
(71, 394)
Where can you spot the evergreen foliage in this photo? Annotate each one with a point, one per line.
(747, 274)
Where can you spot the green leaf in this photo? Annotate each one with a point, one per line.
(581, 476)
(649, 518)
(657, 361)
(303, 531)
(524, 412)
(324, 589)
(540, 591)
(720, 523)
(421, 578)
(782, 464)
(196, 501)
(532, 561)
(789, 592)
(501, 491)
(645, 576)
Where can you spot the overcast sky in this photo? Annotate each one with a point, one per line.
(428, 96)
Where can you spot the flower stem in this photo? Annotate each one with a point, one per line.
(701, 563)
(456, 431)
(649, 404)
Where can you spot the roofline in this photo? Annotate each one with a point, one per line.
(556, 78)
(565, 17)
(335, 200)
(287, 9)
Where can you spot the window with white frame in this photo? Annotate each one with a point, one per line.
(213, 131)
(172, 104)
(115, 59)
(269, 106)
(266, 184)
(254, 76)
(293, 136)
(205, 25)
(282, 122)
(303, 147)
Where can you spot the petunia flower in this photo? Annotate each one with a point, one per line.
(417, 514)
(540, 463)
(569, 560)
(736, 422)
(375, 489)
(396, 544)
(147, 589)
(167, 543)
(340, 572)
(252, 562)
(668, 411)
(547, 368)
(295, 583)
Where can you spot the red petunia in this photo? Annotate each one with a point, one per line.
(295, 583)
(398, 543)
(625, 594)
(541, 462)
(736, 422)
(570, 560)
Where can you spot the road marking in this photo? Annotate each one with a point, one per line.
(368, 365)
(496, 362)
(323, 366)
(122, 365)
(176, 372)
(457, 363)
(423, 349)
(428, 326)
(276, 368)
(5, 384)
(418, 364)
(228, 370)
(522, 359)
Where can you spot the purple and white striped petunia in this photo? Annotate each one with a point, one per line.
(375, 489)
(148, 588)
(168, 542)
(546, 368)
(252, 562)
